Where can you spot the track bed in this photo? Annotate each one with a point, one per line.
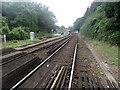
(68, 64)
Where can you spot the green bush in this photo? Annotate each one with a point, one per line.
(115, 38)
(18, 33)
(100, 27)
(41, 34)
(5, 30)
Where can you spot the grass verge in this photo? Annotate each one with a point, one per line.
(14, 43)
(111, 52)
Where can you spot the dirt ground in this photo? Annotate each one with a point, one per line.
(86, 61)
(111, 68)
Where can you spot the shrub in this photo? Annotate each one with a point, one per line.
(5, 30)
(18, 33)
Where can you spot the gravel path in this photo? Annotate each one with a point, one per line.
(85, 62)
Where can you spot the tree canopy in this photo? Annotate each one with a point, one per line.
(101, 22)
(29, 16)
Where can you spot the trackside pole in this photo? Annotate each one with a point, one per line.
(4, 40)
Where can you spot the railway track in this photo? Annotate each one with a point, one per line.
(23, 51)
(6, 51)
(58, 71)
(31, 72)
(6, 78)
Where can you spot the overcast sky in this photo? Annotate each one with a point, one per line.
(67, 11)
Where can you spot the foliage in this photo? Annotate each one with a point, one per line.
(62, 27)
(77, 24)
(30, 15)
(101, 22)
(111, 52)
(18, 33)
(14, 43)
(41, 34)
(5, 30)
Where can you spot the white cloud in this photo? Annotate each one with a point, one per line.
(67, 11)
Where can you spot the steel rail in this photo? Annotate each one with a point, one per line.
(56, 79)
(73, 64)
(35, 69)
(13, 59)
(40, 43)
